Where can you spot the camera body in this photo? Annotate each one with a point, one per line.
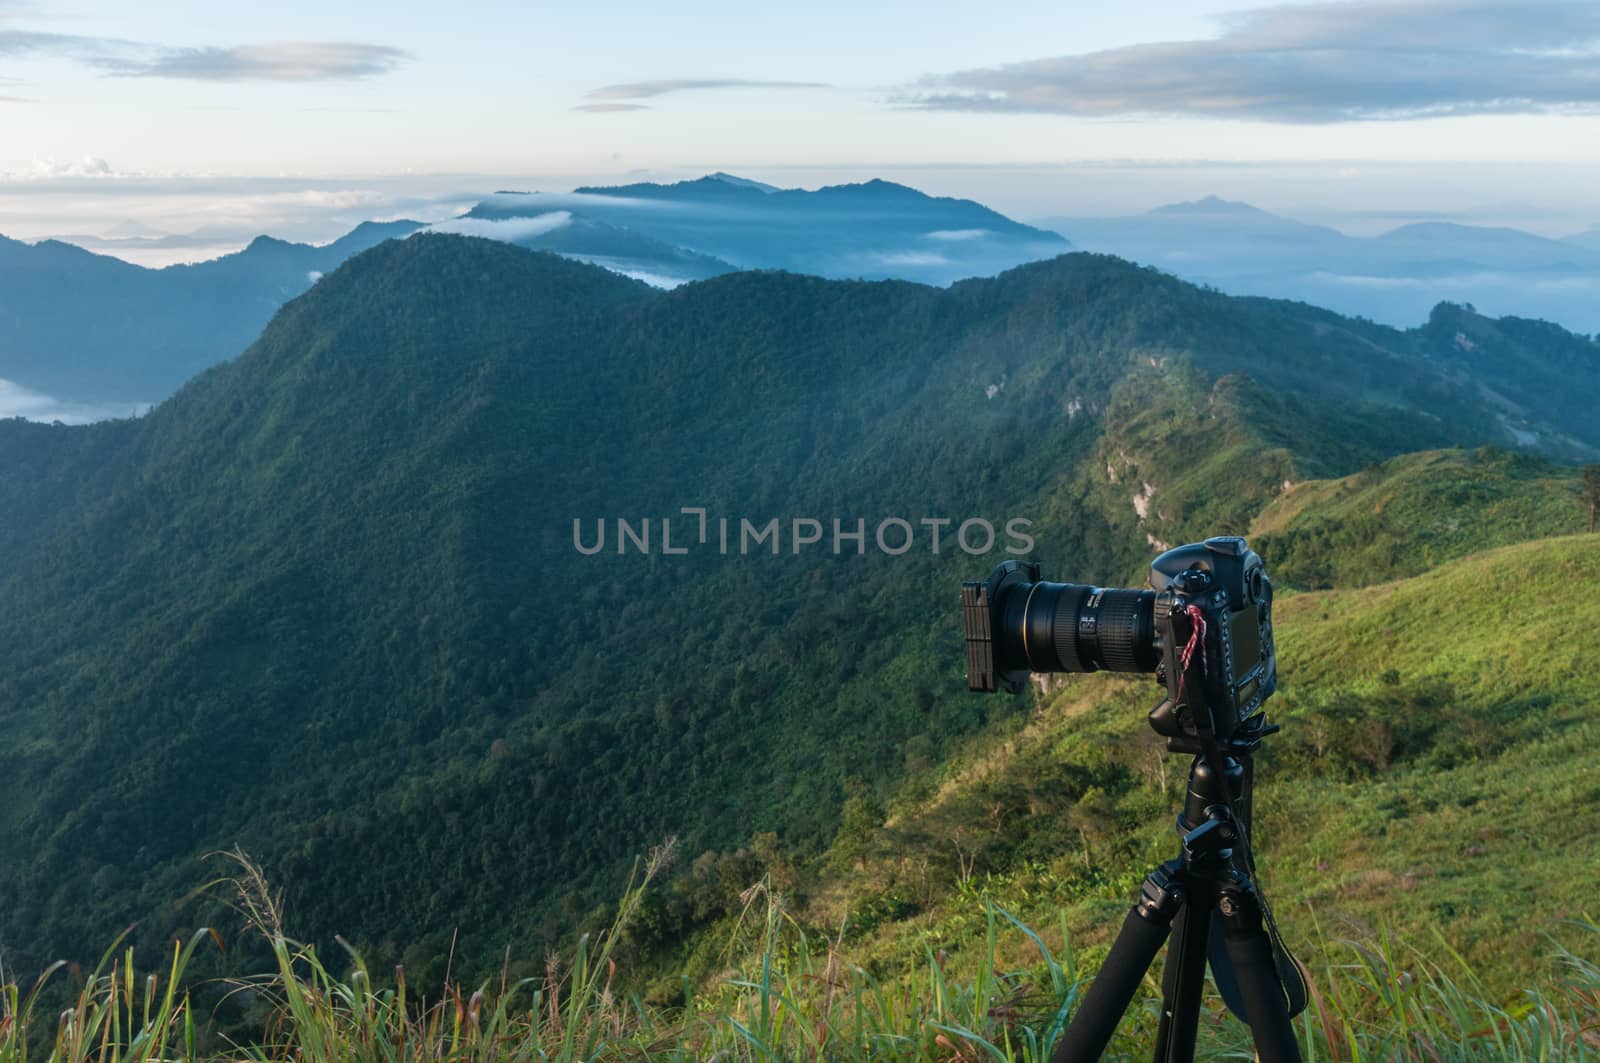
(1217, 595)
(1203, 626)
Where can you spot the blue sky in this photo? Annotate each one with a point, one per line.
(180, 115)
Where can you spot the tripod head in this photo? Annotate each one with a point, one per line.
(1242, 743)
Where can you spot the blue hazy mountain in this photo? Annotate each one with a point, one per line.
(1589, 238)
(1395, 278)
(91, 328)
(693, 229)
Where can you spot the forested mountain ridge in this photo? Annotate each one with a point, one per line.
(325, 601)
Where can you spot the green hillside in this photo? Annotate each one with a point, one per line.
(1403, 516)
(1421, 827)
(1412, 792)
(1536, 370)
(325, 602)
(1426, 772)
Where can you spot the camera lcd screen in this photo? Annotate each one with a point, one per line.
(1246, 644)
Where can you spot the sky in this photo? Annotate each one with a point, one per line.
(218, 120)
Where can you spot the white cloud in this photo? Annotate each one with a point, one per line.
(640, 90)
(1316, 63)
(278, 61)
(88, 166)
(508, 229)
(295, 61)
(199, 217)
(904, 258)
(655, 280)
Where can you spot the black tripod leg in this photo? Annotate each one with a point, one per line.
(1183, 984)
(1143, 933)
(1250, 949)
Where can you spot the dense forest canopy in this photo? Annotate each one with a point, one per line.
(325, 601)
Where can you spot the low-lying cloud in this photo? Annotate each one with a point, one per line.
(893, 259)
(158, 220)
(1315, 63)
(509, 230)
(87, 166)
(18, 401)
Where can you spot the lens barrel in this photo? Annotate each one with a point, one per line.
(1070, 627)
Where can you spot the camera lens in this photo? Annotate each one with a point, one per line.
(1070, 627)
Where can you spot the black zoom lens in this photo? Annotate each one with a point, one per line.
(1069, 627)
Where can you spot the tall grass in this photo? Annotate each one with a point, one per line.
(115, 1017)
(786, 995)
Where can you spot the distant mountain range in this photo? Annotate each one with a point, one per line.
(96, 333)
(1589, 238)
(1394, 278)
(693, 229)
(92, 329)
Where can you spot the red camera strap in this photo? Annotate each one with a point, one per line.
(1197, 640)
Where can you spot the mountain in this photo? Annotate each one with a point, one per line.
(1395, 277)
(1447, 247)
(1589, 238)
(93, 329)
(327, 602)
(873, 230)
(744, 182)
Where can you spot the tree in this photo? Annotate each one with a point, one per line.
(1591, 490)
(859, 821)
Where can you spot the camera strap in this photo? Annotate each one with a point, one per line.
(1197, 640)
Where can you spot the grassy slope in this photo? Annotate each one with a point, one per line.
(1479, 794)
(1485, 834)
(1407, 514)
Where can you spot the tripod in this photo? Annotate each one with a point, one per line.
(1212, 877)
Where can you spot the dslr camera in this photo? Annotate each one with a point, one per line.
(1203, 626)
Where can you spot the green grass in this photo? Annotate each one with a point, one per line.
(788, 995)
(1408, 514)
